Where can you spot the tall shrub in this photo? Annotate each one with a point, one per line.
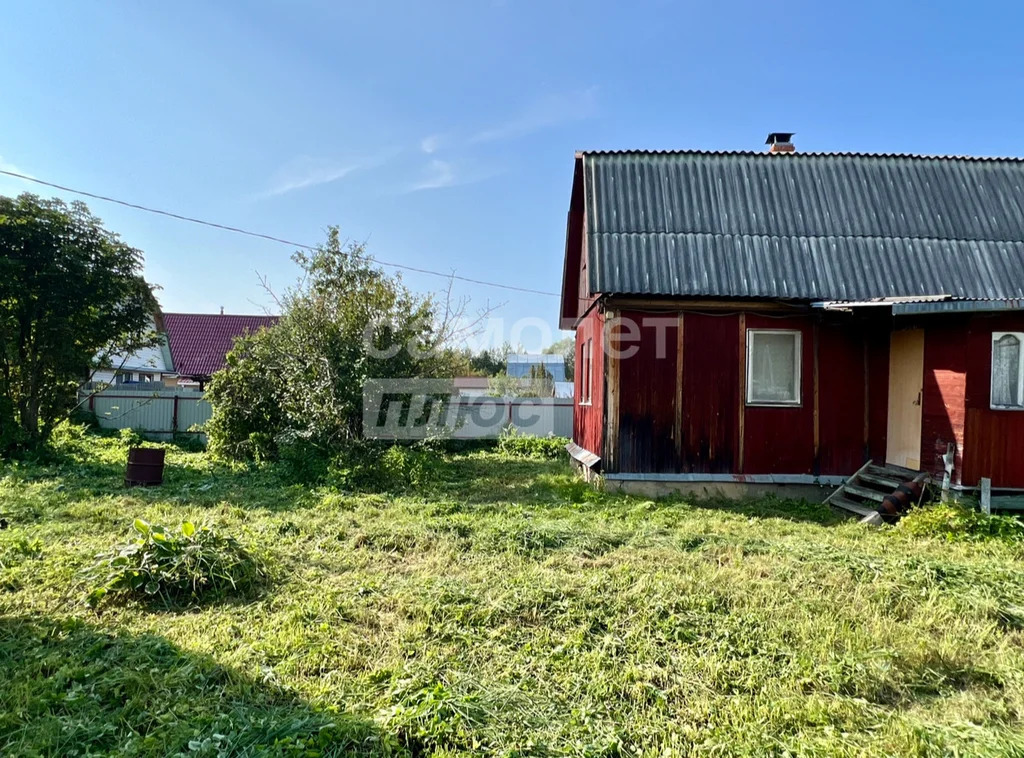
(299, 383)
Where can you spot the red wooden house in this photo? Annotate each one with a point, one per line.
(783, 317)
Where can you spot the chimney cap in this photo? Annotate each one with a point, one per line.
(777, 138)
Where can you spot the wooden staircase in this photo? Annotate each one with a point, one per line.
(863, 492)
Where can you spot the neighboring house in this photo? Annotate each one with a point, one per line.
(519, 365)
(146, 366)
(784, 317)
(472, 386)
(149, 365)
(199, 342)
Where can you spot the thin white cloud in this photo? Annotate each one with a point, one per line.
(439, 174)
(303, 172)
(542, 114)
(430, 144)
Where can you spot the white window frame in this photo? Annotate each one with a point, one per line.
(587, 372)
(996, 336)
(798, 373)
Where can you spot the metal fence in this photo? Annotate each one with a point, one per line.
(160, 411)
(163, 412)
(535, 416)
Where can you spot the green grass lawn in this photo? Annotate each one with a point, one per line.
(505, 610)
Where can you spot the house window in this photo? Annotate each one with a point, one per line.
(1007, 370)
(773, 367)
(586, 372)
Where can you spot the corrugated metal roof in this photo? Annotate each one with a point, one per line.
(958, 306)
(200, 341)
(804, 225)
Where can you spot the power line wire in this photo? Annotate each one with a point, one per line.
(259, 235)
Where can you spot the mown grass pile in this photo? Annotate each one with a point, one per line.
(502, 608)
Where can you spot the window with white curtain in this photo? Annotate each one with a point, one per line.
(586, 360)
(773, 367)
(1007, 371)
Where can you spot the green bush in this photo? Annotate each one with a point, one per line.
(374, 468)
(190, 441)
(300, 460)
(190, 565)
(957, 523)
(84, 417)
(130, 437)
(518, 445)
(68, 435)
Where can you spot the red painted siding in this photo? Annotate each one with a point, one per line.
(878, 392)
(588, 419)
(993, 439)
(647, 377)
(853, 364)
(711, 386)
(943, 396)
(781, 440)
(842, 375)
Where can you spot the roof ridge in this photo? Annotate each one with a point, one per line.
(221, 315)
(749, 235)
(808, 154)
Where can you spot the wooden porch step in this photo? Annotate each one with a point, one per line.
(892, 471)
(888, 483)
(866, 489)
(850, 505)
(864, 492)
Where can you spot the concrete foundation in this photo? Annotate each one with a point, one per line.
(813, 493)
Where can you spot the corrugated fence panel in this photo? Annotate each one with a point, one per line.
(483, 418)
(193, 411)
(145, 411)
(150, 411)
(563, 420)
(542, 417)
(480, 418)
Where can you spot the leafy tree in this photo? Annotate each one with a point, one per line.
(538, 383)
(69, 290)
(503, 385)
(297, 386)
(490, 362)
(566, 347)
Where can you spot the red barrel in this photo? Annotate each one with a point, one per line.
(145, 467)
(889, 509)
(896, 504)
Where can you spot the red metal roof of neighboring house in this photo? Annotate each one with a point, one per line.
(200, 342)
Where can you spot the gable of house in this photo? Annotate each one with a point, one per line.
(796, 226)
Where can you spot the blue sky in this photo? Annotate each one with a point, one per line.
(443, 133)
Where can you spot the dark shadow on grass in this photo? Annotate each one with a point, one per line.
(66, 685)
